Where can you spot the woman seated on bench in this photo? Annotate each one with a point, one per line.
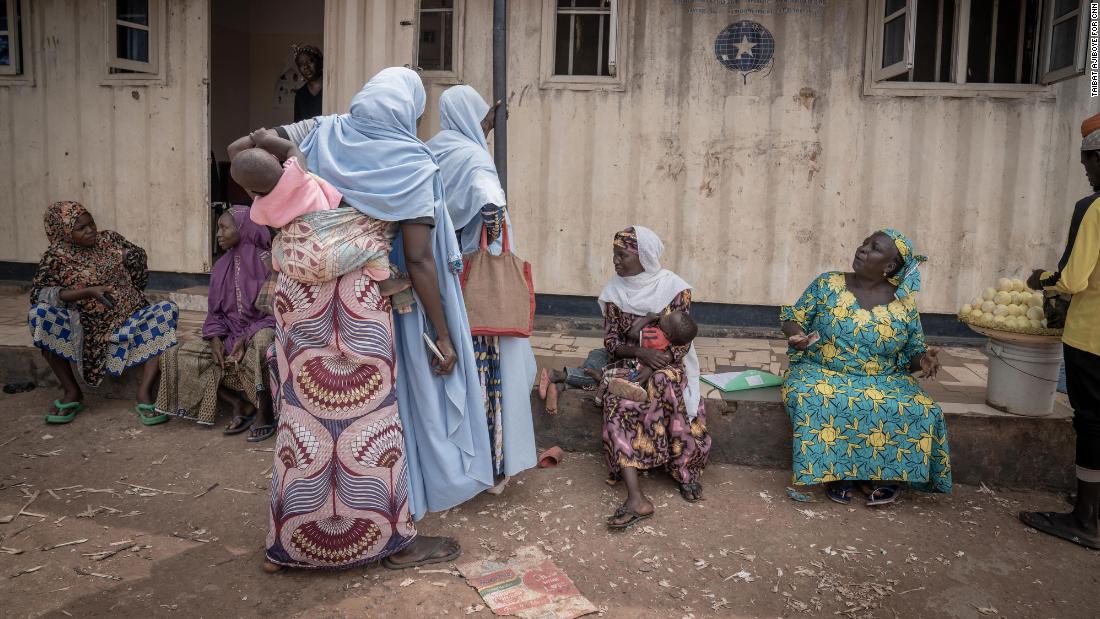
(88, 308)
(228, 363)
(859, 415)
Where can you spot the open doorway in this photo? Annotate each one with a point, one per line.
(254, 76)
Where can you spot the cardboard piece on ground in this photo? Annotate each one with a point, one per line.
(528, 585)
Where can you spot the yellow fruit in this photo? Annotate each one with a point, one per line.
(988, 307)
(999, 320)
(989, 294)
(1018, 285)
(977, 302)
(976, 314)
(1035, 324)
(1015, 310)
(1002, 298)
(1015, 297)
(966, 309)
(1035, 313)
(1004, 284)
(1001, 310)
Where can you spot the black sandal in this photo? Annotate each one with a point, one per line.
(883, 495)
(839, 492)
(246, 423)
(1042, 521)
(261, 433)
(428, 559)
(686, 491)
(635, 518)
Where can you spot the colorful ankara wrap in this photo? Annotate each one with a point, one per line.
(907, 278)
(627, 239)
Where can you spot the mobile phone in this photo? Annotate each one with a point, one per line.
(108, 300)
(432, 347)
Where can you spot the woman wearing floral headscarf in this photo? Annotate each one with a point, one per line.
(668, 430)
(858, 414)
(87, 307)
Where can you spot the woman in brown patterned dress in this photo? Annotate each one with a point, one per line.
(669, 429)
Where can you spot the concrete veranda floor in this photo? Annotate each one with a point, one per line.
(746, 551)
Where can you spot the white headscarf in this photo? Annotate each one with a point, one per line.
(653, 290)
(469, 175)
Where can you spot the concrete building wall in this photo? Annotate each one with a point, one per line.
(758, 184)
(136, 154)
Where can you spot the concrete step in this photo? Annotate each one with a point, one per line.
(986, 446)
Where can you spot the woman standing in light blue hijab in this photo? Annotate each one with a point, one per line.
(374, 158)
(475, 199)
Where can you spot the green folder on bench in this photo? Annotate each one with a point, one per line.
(741, 381)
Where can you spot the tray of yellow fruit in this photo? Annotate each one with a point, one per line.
(1009, 312)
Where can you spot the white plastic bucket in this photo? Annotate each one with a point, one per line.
(1023, 377)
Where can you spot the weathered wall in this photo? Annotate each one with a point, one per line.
(137, 156)
(757, 186)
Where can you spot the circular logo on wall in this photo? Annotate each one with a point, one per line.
(745, 47)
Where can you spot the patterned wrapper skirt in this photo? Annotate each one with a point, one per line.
(147, 333)
(190, 378)
(339, 487)
(656, 433)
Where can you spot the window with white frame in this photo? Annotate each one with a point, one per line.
(585, 33)
(133, 35)
(435, 47)
(11, 47)
(968, 42)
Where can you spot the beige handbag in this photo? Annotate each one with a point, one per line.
(498, 290)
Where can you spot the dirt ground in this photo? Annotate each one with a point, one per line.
(186, 550)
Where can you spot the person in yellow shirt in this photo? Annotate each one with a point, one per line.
(1079, 275)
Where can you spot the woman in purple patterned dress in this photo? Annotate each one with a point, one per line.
(668, 430)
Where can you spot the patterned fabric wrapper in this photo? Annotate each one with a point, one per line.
(321, 246)
(627, 239)
(908, 278)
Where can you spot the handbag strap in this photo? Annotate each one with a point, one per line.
(506, 245)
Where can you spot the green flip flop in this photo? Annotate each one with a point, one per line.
(143, 410)
(66, 412)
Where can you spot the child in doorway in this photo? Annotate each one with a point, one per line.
(629, 379)
(273, 171)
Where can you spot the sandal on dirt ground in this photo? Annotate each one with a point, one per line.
(839, 492)
(1042, 521)
(429, 558)
(687, 490)
(635, 518)
(65, 412)
(883, 495)
(238, 424)
(148, 415)
(261, 433)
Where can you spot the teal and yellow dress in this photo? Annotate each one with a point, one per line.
(857, 411)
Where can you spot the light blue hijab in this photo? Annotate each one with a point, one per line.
(468, 171)
(470, 180)
(372, 155)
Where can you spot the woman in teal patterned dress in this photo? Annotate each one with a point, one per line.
(858, 414)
